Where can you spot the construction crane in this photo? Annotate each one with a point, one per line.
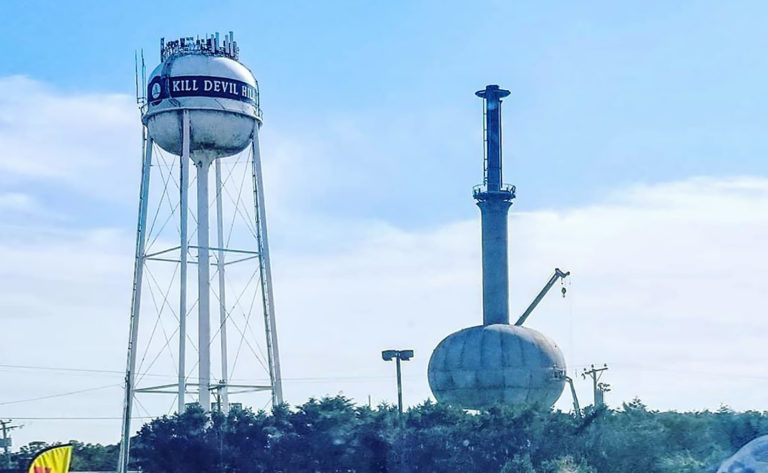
(558, 274)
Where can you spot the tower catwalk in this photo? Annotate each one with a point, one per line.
(494, 200)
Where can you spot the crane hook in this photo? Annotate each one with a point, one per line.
(563, 290)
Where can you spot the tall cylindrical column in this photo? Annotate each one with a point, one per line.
(221, 268)
(494, 200)
(493, 144)
(183, 255)
(203, 285)
(495, 266)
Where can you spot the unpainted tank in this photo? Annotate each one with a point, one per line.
(496, 363)
(487, 365)
(219, 92)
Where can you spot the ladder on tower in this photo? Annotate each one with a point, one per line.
(485, 146)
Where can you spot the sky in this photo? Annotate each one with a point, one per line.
(634, 135)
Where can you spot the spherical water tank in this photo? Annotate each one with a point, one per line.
(220, 94)
(482, 366)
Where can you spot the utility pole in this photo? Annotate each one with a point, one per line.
(5, 442)
(598, 388)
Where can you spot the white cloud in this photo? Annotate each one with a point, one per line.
(83, 140)
(18, 202)
(666, 286)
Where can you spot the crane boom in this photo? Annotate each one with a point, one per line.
(558, 274)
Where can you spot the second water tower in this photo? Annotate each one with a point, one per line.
(496, 363)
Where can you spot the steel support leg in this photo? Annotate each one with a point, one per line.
(184, 249)
(223, 392)
(266, 273)
(138, 275)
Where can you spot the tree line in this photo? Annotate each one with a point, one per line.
(333, 435)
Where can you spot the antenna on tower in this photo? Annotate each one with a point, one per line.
(136, 72)
(141, 80)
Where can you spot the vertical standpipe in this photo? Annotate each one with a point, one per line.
(183, 256)
(203, 285)
(494, 200)
(221, 268)
(492, 96)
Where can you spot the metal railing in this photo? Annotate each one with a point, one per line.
(481, 190)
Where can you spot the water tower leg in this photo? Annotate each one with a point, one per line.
(203, 285)
(223, 394)
(266, 273)
(184, 251)
(138, 276)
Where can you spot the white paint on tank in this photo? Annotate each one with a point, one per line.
(219, 126)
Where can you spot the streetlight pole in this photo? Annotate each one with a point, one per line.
(398, 355)
(399, 387)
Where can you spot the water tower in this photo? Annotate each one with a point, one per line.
(497, 363)
(201, 109)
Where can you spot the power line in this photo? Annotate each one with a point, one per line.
(629, 366)
(53, 396)
(173, 376)
(82, 418)
(309, 379)
(53, 368)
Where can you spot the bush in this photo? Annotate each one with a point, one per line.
(332, 435)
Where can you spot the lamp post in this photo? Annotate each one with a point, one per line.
(397, 355)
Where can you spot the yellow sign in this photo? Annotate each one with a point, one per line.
(52, 460)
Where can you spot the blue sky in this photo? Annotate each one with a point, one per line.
(604, 94)
(634, 133)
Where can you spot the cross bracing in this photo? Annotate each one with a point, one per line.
(161, 287)
(240, 353)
